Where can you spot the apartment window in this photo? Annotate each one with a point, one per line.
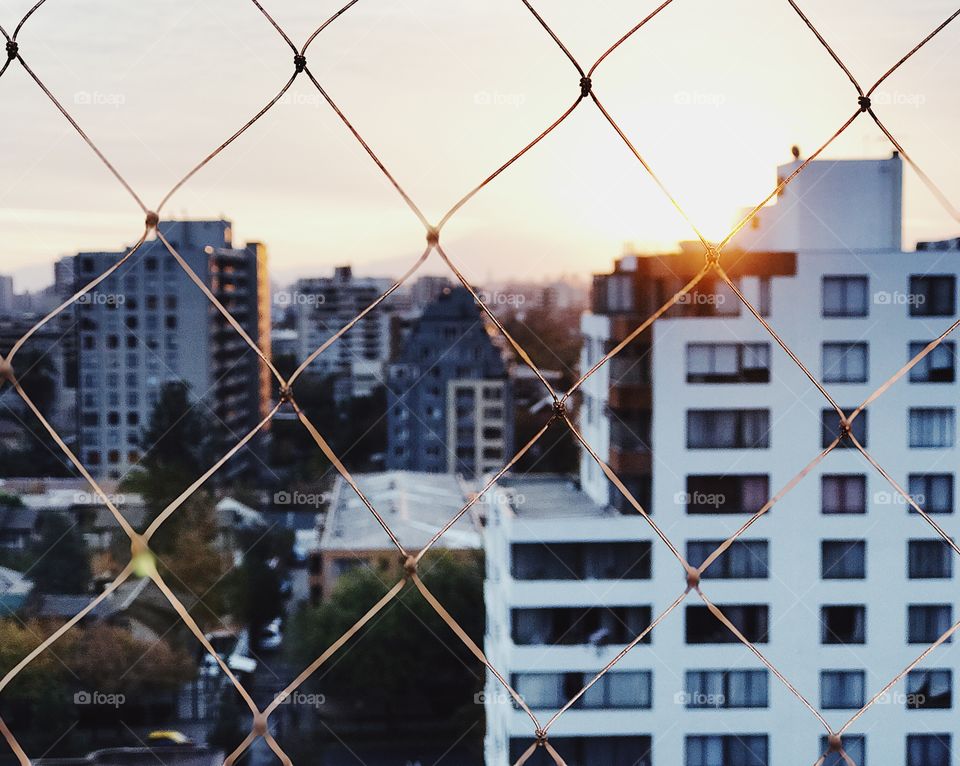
(845, 296)
(854, 745)
(843, 624)
(931, 491)
(842, 689)
(929, 750)
(933, 296)
(843, 559)
(843, 493)
(830, 429)
(938, 366)
(927, 622)
(728, 363)
(588, 751)
(727, 750)
(844, 362)
(752, 620)
(728, 429)
(932, 427)
(930, 689)
(712, 493)
(581, 561)
(568, 626)
(744, 559)
(726, 688)
(616, 690)
(929, 560)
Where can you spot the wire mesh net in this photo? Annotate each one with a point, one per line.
(142, 562)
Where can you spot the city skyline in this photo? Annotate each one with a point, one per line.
(711, 132)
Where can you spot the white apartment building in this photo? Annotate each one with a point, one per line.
(839, 585)
(322, 306)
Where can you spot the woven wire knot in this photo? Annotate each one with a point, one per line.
(6, 369)
(559, 408)
(835, 743)
(712, 255)
(299, 62)
(585, 85)
(864, 102)
(12, 49)
(433, 235)
(286, 393)
(152, 220)
(541, 736)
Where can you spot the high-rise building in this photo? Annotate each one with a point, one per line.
(322, 306)
(706, 419)
(450, 406)
(6, 295)
(148, 324)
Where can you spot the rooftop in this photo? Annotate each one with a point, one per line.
(414, 505)
(546, 497)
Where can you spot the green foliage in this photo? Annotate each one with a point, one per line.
(179, 443)
(406, 662)
(253, 588)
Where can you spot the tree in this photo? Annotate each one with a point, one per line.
(179, 443)
(253, 588)
(60, 562)
(438, 675)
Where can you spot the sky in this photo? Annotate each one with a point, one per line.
(713, 93)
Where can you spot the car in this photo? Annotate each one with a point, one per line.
(168, 737)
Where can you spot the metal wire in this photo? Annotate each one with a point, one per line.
(713, 257)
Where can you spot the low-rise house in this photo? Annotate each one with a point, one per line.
(415, 505)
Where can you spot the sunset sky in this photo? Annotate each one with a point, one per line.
(712, 92)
